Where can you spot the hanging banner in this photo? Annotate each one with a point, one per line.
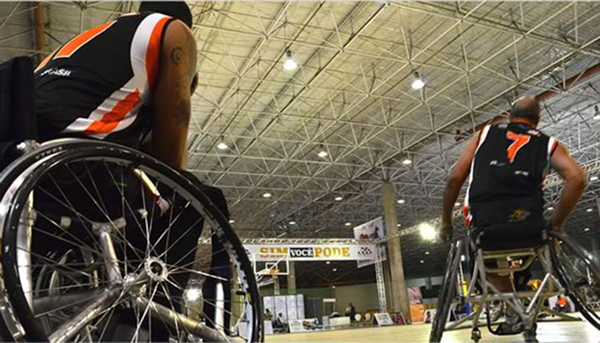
(374, 229)
(311, 252)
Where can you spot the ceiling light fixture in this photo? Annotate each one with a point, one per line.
(427, 231)
(327, 262)
(422, 261)
(292, 223)
(339, 198)
(407, 161)
(267, 195)
(335, 269)
(550, 208)
(427, 253)
(222, 146)
(231, 221)
(348, 224)
(401, 201)
(418, 82)
(589, 209)
(289, 64)
(593, 178)
(586, 229)
(456, 204)
(322, 153)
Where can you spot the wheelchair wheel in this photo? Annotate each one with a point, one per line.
(100, 243)
(447, 293)
(578, 273)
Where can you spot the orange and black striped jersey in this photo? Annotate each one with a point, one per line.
(508, 172)
(96, 84)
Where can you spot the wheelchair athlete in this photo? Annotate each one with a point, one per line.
(128, 81)
(506, 166)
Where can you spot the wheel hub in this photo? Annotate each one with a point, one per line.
(156, 269)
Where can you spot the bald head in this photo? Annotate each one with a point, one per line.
(527, 108)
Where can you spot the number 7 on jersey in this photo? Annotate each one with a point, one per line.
(519, 141)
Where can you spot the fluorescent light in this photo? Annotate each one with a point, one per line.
(333, 287)
(292, 223)
(401, 201)
(550, 208)
(427, 253)
(222, 146)
(589, 210)
(327, 262)
(406, 162)
(335, 269)
(456, 204)
(462, 258)
(322, 154)
(422, 261)
(428, 232)
(290, 63)
(398, 225)
(597, 116)
(418, 82)
(231, 221)
(593, 178)
(267, 195)
(339, 198)
(347, 223)
(586, 229)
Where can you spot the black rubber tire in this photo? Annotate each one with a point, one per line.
(65, 150)
(447, 293)
(563, 272)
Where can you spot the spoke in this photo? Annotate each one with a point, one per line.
(135, 337)
(178, 320)
(65, 232)
(182, 236)
(124, 201)
(180, 270)
(66, 306)
(95, 187)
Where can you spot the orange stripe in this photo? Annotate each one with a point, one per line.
(45, 61)
(75, 43)
(111, 119)
(153, 52)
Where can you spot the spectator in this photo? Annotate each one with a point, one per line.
(268, 315)
(352, 313)
(561, 305)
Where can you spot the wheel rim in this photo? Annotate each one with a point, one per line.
(161, 273)
(579, 273)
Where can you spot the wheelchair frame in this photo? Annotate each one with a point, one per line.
(549, 287)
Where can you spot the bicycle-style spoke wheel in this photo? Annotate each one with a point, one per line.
(102, 243)
(579, 273)
(446, 294)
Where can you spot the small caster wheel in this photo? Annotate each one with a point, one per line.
(476, 335)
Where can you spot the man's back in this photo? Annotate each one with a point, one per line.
(507, 174)
(95, 84)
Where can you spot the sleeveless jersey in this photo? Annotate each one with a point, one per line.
(508, 169)
(96, 84)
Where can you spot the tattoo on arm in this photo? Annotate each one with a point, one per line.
(177, 55)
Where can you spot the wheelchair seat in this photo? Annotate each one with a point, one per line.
(16, 107)
(509, 237)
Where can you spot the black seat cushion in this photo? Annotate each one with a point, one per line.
(509, 236)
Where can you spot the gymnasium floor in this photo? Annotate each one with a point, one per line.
(547, 332)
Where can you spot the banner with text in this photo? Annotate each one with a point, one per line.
(311, 252)
(374, 229)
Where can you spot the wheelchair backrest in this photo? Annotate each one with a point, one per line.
(17, 118)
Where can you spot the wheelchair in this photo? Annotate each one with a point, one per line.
(100, 242)
(567, 269)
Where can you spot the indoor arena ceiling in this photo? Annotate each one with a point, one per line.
(351, 97)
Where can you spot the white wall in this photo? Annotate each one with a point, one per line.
(363, 297)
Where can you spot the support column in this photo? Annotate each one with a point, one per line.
(399, 300)
(291, 279)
